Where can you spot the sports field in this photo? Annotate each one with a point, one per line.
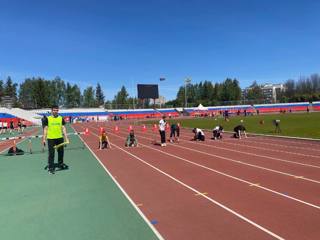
(304, 125)
(82, 202)
(253, 188)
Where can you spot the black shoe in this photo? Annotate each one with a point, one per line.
(51, 171)
(63, 166)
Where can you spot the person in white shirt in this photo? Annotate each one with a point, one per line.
(162, 131)
(217, 132)
(4, 126)
(198, 134)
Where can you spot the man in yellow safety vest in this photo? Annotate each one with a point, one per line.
(52, 132)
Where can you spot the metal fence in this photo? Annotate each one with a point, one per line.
(111, 106)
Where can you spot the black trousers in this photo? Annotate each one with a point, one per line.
(217, 134)
(163, 136)
(173, 133)
(200, 137)
(51, 144)
(104, 144)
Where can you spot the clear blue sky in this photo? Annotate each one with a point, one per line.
(126, 42)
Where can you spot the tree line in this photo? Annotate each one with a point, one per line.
(208, 94)
(39, 92)
(305, 89)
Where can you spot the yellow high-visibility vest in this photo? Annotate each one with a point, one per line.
(54, 127)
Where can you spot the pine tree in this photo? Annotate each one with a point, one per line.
(99, 95)
(88, 97)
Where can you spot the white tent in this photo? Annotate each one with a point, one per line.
(202, 108)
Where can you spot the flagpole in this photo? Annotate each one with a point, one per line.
(186, 81)
(161, 79)
(133, 103)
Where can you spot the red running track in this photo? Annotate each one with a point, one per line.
(6, 144)
(198, 191)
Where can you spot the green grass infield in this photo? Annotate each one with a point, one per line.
(304, 125)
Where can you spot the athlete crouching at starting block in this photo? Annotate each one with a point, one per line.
(239, 131)
(131, 140)
(104, 140)
(217, 132)
(198, 134)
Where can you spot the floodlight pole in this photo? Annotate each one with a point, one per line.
(133, 95)
(186, 81)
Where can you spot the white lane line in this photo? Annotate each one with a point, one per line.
(233, 142)
(252, 154)
(124, 192)
(258, 155)
(278, 145)
(236, 140)
(230, 176)
(273, 158)
(275, 137)
(284, 146)
(302, 143)
(204, 196)
(244, 163)
(248, 164)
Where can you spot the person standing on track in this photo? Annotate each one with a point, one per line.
(174, 132)
(19, 126)
(52, 132)
(4, 126)
(11, 126)
(162, 131)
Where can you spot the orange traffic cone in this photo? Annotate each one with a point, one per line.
(102, 130)
(155, 127)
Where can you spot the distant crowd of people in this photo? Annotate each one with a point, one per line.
(199, 135)
(11, 126)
